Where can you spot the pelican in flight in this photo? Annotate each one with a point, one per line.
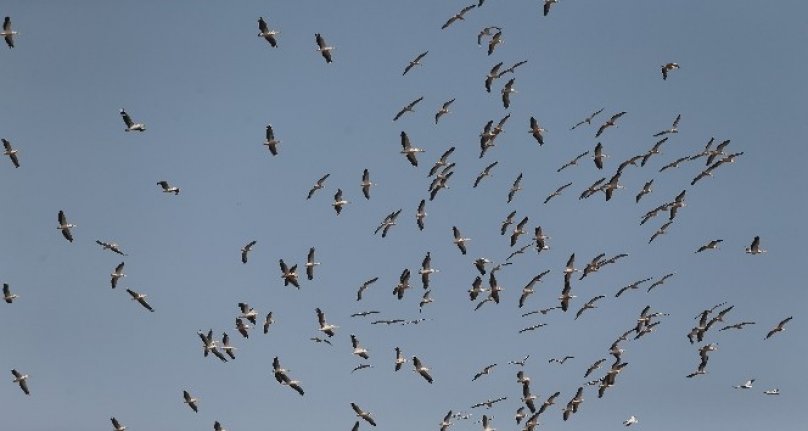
(310, 264)
(712, 245)
(111, 246)
(587, 120)
(245, 251)
(141, 298)
(358, 350)
(746, 385)
(168, 188)
(116, 275)
(64, 226)
(408, 108)
(547, 5)
(339, 202)
(415, 62)
(630, 421)
(116, 426)
(270, 141)
(421, 369)
(674, 128)
(289, 275)
(191, 401)
(458, 16)
(609, 123)
(506, 93)
(10, 152)
(266, 33)
(666, 68)
(754, 248)
(22, 380)
(443, 110)
(779, 328)
(318, 185)
(366, 183)
(323, 47)
(131, 126)
(537, 131)
(363, 414)
(408, 150)
(459, 241)
(7, 295)
(7, 33)
(326, 328)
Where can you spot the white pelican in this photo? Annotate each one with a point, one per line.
(599, 156)
(270, 141)
(645, 190)
(458, 16)
(459, 241)
(131, 126)
(573, 161)
(712, 245)
(484, 372)
(674, 128)
(491, 76)
(400, 359)
(364, 286)
(310, 264)
(486, 172)
(506, 93)
(339, 202)
(407, 108)
(630, 421)
(318, 185)
(427, 269)
(408, 150)
(363, 414)
(111, 246)
(248, 312)
(547, 5)
(167, 188)
(587, 120)
(517, 185)
(779, 328)
(191, 401)
(667, 68)
(325, 327)
(609, 123)
(358, 350)
(7, 295)
(64, 226)
(774, 391)
(268, 321)
(228, 349)
(7, 33)
(10, 152)
(366, 183)
(754, 248)
(415, 62)
(117, 274)
(443, 110)
(289, 275)
(246, 250)
(22, 380)
(266, 33)
(323, 47)
(141, 298)
(746, 385)
(495, 40)
(446, 422)
(116, 426)
(420, 214)
(421, 369)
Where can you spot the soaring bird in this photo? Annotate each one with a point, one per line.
(8, 33)
(588, 305)
(400, 359)
(111, 246)
(7, 295)
(661, 231)
(484, 372)
(358, 350)
(289, 274)
(745, 385)
(141, 298)
(487, 31)
(168, 188)
(515, 187)
(228, 349)
(245, 251)
(116, 426)
(325, 327)
(427, 270)
(117, 274)
(492, 75)
(364, 286)
(415, 62)
(599, 156)
(408, 150)
(458, 240)
(485, 172)
(609, 123)
(366, 183)
(363, 414)
(131, 126)
(573, 161)
(191, 401)
(323, 47)
(21, 379)
(537, 131)
(547, 5)
(248, 312)
(443, 110)
(754, 248)
(421, 369)
(630, 421)
(318, 185)
(217, 426)
(674, 127)
(64, 226)
(712, 245)
(587, 120)
(519, 230)
(407, 108)
(266, 33)
(268, 321)
(310, 264)
(339, 202)
(506, 93)
(495, 40)
(10, 152)
(458, 16)
(270, 141)
(667, 68)
(779, 328)
(646, 188)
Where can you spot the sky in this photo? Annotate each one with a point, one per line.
(206, 87)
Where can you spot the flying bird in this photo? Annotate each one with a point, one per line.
(745, 385)
(310, 264)
(366, 183)
(599, 156)
(459, 241)
(415, 62)
(458, 16)
(191, 401)
(537, 131)
(484, 372)
(111, 246)
(486, 172)
(754, 248)
(492, 75)
(495, 40)
(630, 421)
(117, 274)
(443, 110)
(573, 161)
(323, 47)
(246, 250)
(587, 120)
(266, 33)
(646, 188)
(363, 414)
(116, 426)
(421, 369)
(487, 31)
(270, 141)
(7, 295)
(131, 126)
(408, 150)
(339, 202)
(668, 67)
(141, 298)
(358, 350)
(8, 33)
(712, 245)
(268, 321)
(506, 93)
(779, 328)
(609, 123)
(10, 152)
(65, 227)
(21, 379)
(167, 188)
(674, 127)
(547, 5)
(407, 108)
(289, 275)
(515, 187)
(326, 328)
(364, 286)
(318, 185)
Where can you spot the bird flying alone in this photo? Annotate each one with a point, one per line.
(65, 227)
(266, 33)
(323, 47)
(8, 33)
(666, 68)
(131, 126)
(10, 152)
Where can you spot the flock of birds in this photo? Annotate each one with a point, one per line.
(481, 292)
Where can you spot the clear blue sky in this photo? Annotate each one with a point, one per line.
(206, 87)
